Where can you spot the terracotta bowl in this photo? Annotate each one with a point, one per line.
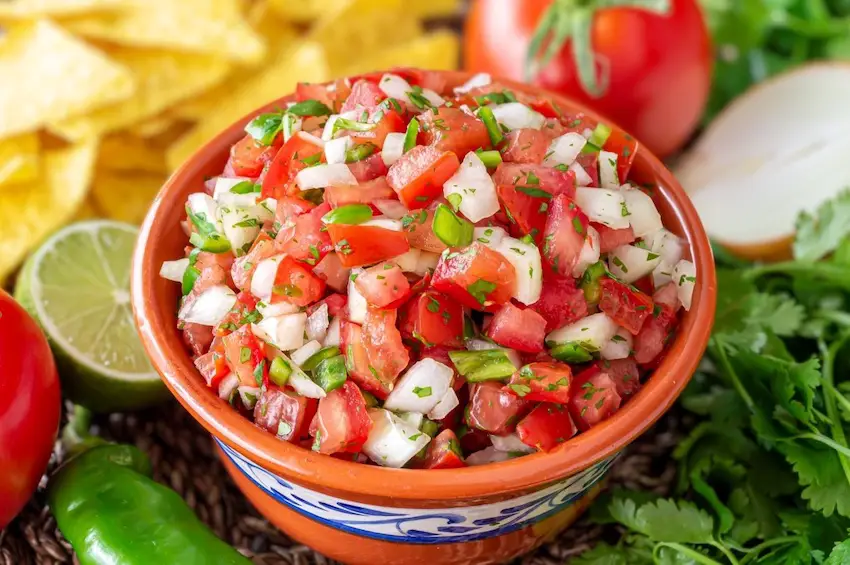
(361, 513)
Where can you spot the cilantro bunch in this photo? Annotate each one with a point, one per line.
(764, 476)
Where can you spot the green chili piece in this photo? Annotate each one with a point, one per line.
(348, 214)
(214, 242)
(330, 374)
(313, 361)
(478, 366)
(279, 371)
(571, 352)
(597, 139)
(491, 159)
(410, 135)
(591, 282)
(493, 129)
(451, 229)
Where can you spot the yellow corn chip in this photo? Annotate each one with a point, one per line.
(86, 211)
(31, 211)
(204, 26)
(162, 78)
(435, 8)
(439, 51)
(124, 152)
(50, 75)
(303, 11)
(19, 159)
(125, 197)
(154, 126)
(29, 9)
(307, 63)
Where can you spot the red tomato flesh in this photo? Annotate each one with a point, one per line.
(594, 398)
(364, 245)
(444, 452)
(477, 277)
(279, 180)
(248, 157)
(561, 302)
(357, 361)
(305, 238)
(564, 235)
(546, 427)
(280, 412)
(295, 283)
(342, 421)
(382, 340)
(434, 319)
(517, 328)
(451, 129)
(628, 307)
(419, 175)
(383, 285)
(542, 381)
(493, 410)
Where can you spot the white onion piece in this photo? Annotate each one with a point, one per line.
(392, 209)
(412, 418)
(514, 115)
(322, 176)
(643, 215)
(395, 87)
(209, 307)
(608, 177)
(630, 263)
(421, 387)
(607, 207)
(290, 125)
(285, 332)
(229, 384)
(249, 395)
(265, 210)
(592, 332)
(333, 336)
(202, 205)
(317, 324)
(486, 456)
(407, 261)
(301, 383)
(474, 185)
(173, 270)
(277, 309)
(476, 81)
(427, 263)
(300, 355)
(511, 444)
(241, 227)
(393, 148)
(237, 200)
(328, 131)
(262, 281)
(357, 305)
(484, 345)
(618, 347)
(564, 149)
(489, 236)
(525, 257)
(684, 277)
(582, 178)
(669, 247)
(392, 442)
(589, 253)
(446, 404)
(224, 184)
(336, 149)
(386, 223)
(433, 98)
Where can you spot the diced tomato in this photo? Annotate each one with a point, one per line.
(433, 319)
(279, 180)
(564, 235)
(280, 412)
(552, 128)
(368, 169)
(624, 373)
(309, 91)
(383, 285)
(667, 295)
(243, 354)
(594, 398)
(450, 129)
(517, 328)
(364, 95)
(528, 200)
(248, 157)
(590, 163)
(342, 421)
(560, 303)
(420, 232)
(544, 382)
(365, 192)
(390, 122)
(384, 348)
(295, 283)
(331, 271)
(472, 439)
(477, 277)
(625, 146)
(357, 361)
(546, 107)
(444, 452)
(610, 239)
(546, 427)
(548, 179)
(304, 238)
(419, 175)
(494, 410)
(244, 267)
(578, 123)
(290, 207)
(654, 334)
(628, 307)
(358, 245)
(238, 316)
(525, 145)
(336, 304)
(213, 368)
(644, 284)
(206, 261)
(197, 338)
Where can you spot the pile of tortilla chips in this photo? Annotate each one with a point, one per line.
(101, 99)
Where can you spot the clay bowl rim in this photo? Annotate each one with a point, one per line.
(311, 469)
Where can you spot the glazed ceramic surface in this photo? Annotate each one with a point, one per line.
(359, 513)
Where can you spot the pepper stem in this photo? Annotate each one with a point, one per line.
(76, 435)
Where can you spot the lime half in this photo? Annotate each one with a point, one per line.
(77, 286)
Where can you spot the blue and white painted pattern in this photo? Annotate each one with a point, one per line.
(420, 525)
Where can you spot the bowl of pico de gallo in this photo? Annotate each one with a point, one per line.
(421, 312)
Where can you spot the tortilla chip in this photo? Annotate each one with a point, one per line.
(31, 211)
(303, 11)
(50, 75)
(86, 211)
(28, 9)
(438, 51)
(162, 78)
(215, 27)
(19, 159)
(124, 152)
(151, 127)
(435, 8)
(307, 63)
(125, 197)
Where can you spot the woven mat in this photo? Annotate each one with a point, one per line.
(183, 458)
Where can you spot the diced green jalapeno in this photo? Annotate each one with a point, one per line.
(348, 214)
(477, 366)
(330, 374)
(571, 352)
(491, 159)
(493, 129)
(313, 361)
(451, 229)
(591, 282)
(279, 371)
(410, 135)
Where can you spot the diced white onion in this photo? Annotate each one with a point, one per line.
(173, 270)
(393, 148)
(357, 305)
(224, 184)
(291, 125)
(386, 223)
(427, 263)
(241, 227)
(285, 332)
(667, 244)
(317, 324)
(684, 277)
(209, 307)
(202, 205)
(582, 178)
(511, 443)
(262, 281)
(490, 236)
(301, 383)
(608, 177)
(514, 115)
(336, 149)
(227, 386)
(592, 332)
(643, 216)
(564, 149)
(300, 355)
(484, 345)
(631, 263)
(249, 396)
(265, 210)
(392, 442)
(412, 418)
(408, 261)
(327, 132)
(322, 176)
(310, 138)
(476, 81)
(618, 347)
(395, 87)
(607, 207)
(392, 209)
(486, 456)
(589, 253)
(333, 336)
(525, 257)
(232, 199)
(449, 402)
(421, 387)
(474, 185)
(276, 309)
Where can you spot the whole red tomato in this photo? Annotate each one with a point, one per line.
(30, 404)
(657, 67)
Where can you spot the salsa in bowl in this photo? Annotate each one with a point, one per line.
(404, 271)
